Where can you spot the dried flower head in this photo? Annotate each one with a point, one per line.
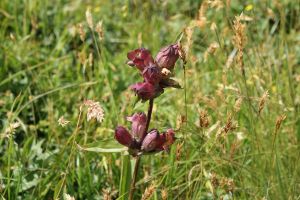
(95, 111)
(62, 121)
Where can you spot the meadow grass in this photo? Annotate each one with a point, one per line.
(238, 128)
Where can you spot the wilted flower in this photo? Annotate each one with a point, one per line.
(123, 136)
(167, 56)
(138, 126)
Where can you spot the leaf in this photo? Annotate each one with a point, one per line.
(102, 150)
(125, 180)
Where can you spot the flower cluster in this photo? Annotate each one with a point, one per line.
(139, 140)
(156, 74)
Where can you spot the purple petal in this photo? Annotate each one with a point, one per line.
(140, 58)
(138, 127)
(123, 136)
(150, 141)
(146, 90)
(152, 74)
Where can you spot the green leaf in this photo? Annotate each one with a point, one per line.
(124, 186)
(102, 150)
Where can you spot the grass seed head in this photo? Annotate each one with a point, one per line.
(81, 31)
(89, 18)
(164, 194)
(262, 101)
(279, 121)
(148, 192)
(99, 30)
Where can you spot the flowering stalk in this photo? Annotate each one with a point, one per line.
(138, 158)
(157, 75)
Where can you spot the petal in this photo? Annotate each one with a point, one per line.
(140, 58)
(150, 141)
(152, 74)
(123, 136)
(138, 127)
(146, 90)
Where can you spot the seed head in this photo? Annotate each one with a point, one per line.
(94, 110)
(89, 18)
(148, 192)
(262, 101)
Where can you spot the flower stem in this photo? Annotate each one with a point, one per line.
(138, 158)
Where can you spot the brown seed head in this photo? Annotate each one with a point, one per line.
(262, 101)
(148, 192)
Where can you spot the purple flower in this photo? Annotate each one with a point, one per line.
(140, 58)
(123, 136)
(167, 56)
(138, 126)
(150, 141)
(146, 90)
(152, 74)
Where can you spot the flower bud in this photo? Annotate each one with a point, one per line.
(138, 127)
(146, 90)
(167, 56)
(150, 141)
(123, 136)
(140, 58)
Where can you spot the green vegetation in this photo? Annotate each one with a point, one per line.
(242, 133)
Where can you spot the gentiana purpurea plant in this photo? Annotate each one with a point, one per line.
(156, 75)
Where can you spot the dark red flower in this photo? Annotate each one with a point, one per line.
(123, 136)
(146, 90)
(140, 58)
(152, 74)
(138, 126)
(167, 56)
(151, 141)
